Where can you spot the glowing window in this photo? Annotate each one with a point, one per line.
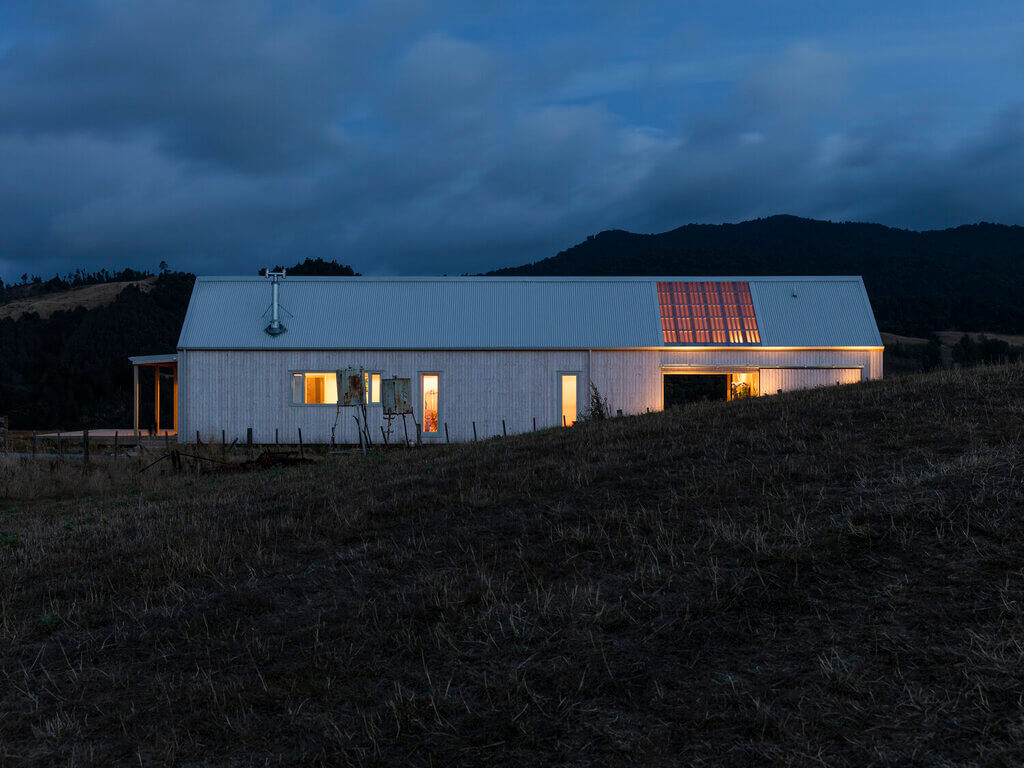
(315, 388)
(430, 384)
(371, 386)
(568, 396)
(707, 313)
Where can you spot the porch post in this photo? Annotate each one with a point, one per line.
(156, 368)
(135, 390)
(175, 369)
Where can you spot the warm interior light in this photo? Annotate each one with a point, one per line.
(371, 387)
(569, 399)
(430, 389)
(321, 388)
(707, 313)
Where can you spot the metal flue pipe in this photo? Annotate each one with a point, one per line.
(276, 328)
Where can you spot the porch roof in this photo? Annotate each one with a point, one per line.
(153, 359)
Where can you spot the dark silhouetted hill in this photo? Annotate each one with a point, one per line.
(968, 278)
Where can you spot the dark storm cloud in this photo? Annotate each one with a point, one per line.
(223, 83)
(407, 137)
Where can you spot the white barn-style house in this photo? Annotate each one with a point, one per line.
(523, 350)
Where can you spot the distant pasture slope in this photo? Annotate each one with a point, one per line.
(830, 577)
(87, 297)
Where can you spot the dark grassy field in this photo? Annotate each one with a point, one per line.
(823, 578)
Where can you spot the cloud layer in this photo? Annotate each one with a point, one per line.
(408, 137)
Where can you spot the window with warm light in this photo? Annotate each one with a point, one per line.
(569, 385)
(371, 386)
(430, 386)
(315, 388)
(719, 313)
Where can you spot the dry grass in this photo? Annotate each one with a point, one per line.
(88, 296)
(831, 577)
(950, 338)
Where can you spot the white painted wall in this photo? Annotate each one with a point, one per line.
(234, 390)
(786, 379)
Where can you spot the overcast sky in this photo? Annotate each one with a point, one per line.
(415, 137)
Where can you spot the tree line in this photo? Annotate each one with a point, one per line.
(71, 370)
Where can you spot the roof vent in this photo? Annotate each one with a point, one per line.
(276, 327)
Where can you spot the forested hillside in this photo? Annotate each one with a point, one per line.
(70, 370)
(968, 278)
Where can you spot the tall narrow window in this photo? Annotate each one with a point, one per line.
(372, 387)
(568, 396)
(430, 385)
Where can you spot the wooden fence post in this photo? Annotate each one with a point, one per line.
(223, 446)
(115, 445)
(248, 440)
(60, 445)
(198, 441)
(85, 445)
(534, 423)
(446, 433)
(474, 431)
(300, 441)
(384, 435)
(504, 433)
(277, 443)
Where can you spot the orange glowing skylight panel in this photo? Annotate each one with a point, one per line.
(707, 313)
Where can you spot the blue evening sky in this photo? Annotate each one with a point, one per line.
(414, 137)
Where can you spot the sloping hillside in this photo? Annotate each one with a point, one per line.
(822, 578)
(64, 353)
(86, 297)
(967, 277)
(71, 369)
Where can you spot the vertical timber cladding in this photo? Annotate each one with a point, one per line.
(238, 389)
(785, 379)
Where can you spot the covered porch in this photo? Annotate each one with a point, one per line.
(165, 369)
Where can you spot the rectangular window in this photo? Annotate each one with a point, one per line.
(315, 388)
(429, 385)
(569, 382)
(371, 386)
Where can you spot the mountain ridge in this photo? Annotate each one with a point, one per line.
(918, 281)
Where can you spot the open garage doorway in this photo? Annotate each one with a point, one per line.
(707, 386)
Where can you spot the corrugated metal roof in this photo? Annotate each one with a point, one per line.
(501, 312)
(827, 312)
